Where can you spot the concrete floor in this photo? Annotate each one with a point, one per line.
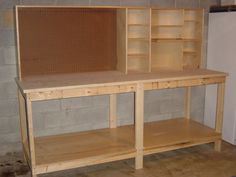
(200, 161)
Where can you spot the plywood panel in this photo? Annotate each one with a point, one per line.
(65, 40)
(167, 55)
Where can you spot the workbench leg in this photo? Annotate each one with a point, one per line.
(30, 134)
(187, 102)
(139, 123)
(113, 111)
(219, 113)
(33, 175)
(23, 125)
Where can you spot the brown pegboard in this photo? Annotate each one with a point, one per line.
(66, 40)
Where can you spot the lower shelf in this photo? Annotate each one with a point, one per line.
(73, 150)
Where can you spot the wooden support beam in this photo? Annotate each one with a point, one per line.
(139, 121)
(219, 113)
(188, 102)
(113, 111)
(23, 125)
(30, 135)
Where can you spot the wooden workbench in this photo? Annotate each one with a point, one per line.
(66, 151)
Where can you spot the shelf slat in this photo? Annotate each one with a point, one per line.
(138, 38)
(166, 26)
(174, 39)
(138, 55)
(87, 148)
(139, 24)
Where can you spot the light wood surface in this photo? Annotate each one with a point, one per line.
(23, 126)
(187, 102)
(155, 49)
(139, 121)
(92, 147)
(173, 134)
(30, 129)
(85, 148)
(92, 79)
(113, 110)
(122, 40)
(219, 113)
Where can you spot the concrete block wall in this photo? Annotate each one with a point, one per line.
(78, 114)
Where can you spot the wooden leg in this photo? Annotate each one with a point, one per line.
(139, 122)
(30, 134)
(33, 175)
(113, 112)
(188, 102)
(219, 113)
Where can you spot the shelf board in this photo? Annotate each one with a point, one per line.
(190, 52)
(138, 55)
(166, 26)
(174, 39)
(138, 24)
(174, 134)
(138, 38)
(85, 148)
(97, 146)
(194, 21)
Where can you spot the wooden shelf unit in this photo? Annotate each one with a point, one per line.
(140, 65)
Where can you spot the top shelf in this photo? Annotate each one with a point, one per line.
(166, 26)
(174, 39)
(138, 24)
(101, 78)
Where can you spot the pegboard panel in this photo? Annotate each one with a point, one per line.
(66, 40)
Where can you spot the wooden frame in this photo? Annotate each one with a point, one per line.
(145, 42)
(118, 143)
(142, 141)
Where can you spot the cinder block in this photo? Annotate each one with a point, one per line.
(76, 102)
(38, 2)
(8, 108)
(7, 19)
(7, 37)
(198, 97)
(10, 147)
(61, 130)
(10, 55)
(102, 100)
(198, 115)
(8, 4)
(8, 90)
(154, 95)
(105, 3)
(178, 114)
(9, 124)
(151, 109)
(187, 4)
(68, 121)
(93, 115)
(135, 3)
(54, 119)
(170, 106)
(159, 117)
(122, 122)
(10, 137)
(74, 2)
(7, 73)
(207, 3)
(38, 121)
(125, 107)
(2, 62)
(47, 106)
(162, 3)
